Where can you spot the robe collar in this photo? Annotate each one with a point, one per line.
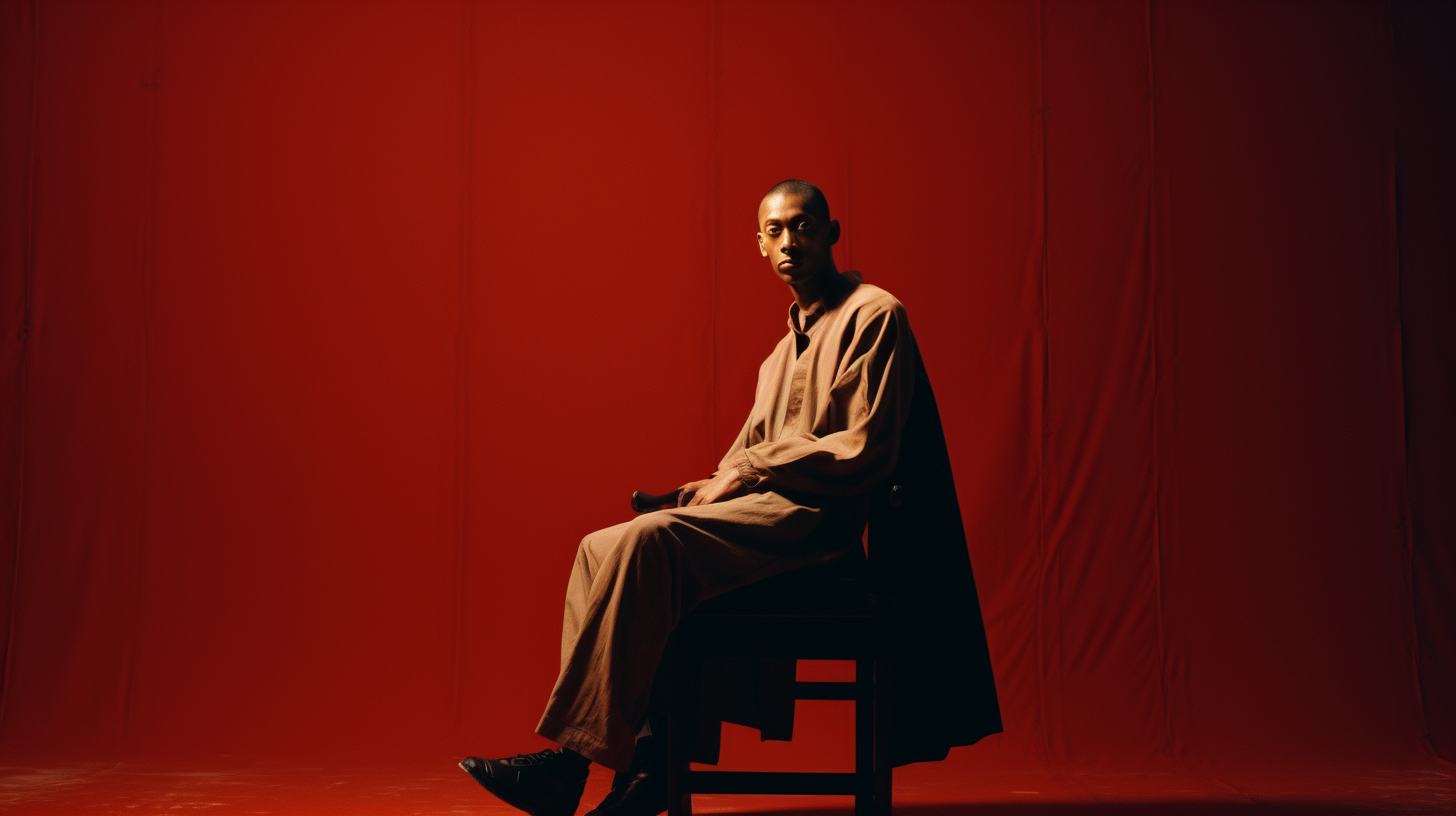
(844, 283)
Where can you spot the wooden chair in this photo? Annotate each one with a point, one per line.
(839, 611)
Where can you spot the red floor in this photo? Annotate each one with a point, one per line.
(135, 788)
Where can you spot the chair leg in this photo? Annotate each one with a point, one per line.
(679, 801)
(681, 707)
(884, 774)
(864, 738)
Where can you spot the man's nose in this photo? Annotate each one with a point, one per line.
(790, 241)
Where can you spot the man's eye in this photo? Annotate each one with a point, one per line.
(773, 230)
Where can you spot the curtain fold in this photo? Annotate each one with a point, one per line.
(331, 327)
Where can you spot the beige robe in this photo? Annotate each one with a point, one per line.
(826, 422)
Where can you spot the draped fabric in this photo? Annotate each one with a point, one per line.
(331, 327)
(827, 416)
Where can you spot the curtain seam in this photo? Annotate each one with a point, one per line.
(462, 358)
(1407, 521)
(711, 81)
(22, 367)
(1154, 349)
(148, 262)
(1043, 262)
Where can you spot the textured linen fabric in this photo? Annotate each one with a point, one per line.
(632, 583)
(830, 406)
(832, 399)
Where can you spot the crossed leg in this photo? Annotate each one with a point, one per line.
(632, 583)
(629, 587)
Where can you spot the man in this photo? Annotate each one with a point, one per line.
(832, 403)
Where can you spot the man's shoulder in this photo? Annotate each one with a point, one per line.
(870, 299)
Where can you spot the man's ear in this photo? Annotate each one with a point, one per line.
(762, 250)
(833, 232)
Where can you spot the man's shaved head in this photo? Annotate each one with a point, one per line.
(797, 236)
(814, 200)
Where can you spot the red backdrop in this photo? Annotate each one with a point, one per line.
(331, 327)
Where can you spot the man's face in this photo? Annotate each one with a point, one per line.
(797, 242)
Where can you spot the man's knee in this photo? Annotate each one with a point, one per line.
(597, 545)
(651, 536)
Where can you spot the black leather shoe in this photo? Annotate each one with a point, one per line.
(642, 791)
(640, 794)
(546, 783)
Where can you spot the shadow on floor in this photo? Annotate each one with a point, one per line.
(1147, 808)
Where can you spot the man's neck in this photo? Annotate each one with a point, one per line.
(813, 290)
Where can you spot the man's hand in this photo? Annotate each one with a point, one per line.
(690, 490)
(725, 485)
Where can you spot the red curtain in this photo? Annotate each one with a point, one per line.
(331, 327)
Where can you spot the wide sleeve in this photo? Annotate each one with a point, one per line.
(857, 434)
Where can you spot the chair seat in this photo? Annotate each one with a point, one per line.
(823, 612)
(837, 589)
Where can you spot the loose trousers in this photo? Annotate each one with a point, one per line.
(633, 582)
